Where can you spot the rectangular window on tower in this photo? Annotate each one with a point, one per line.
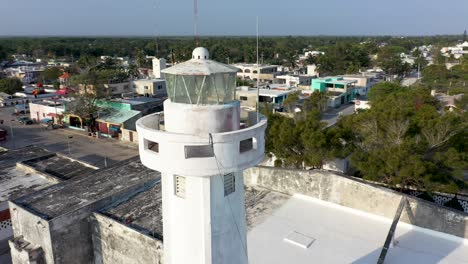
(179, 186)
(229, 183)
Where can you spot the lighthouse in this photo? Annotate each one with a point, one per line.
(201, 151)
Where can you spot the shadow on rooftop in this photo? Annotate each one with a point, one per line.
(417, 246)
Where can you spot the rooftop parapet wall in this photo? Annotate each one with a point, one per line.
(359, 195)
(114, 242)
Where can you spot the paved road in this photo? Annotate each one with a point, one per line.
(97, 152)
(411, 79)
(331, 116)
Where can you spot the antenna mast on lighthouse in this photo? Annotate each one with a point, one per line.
(195, 22)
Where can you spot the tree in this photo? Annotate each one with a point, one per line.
(11, 85)
(435, 73)
(404, 141)
(50, 75)
(388, 58)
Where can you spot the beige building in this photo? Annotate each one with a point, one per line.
(248, 96)
(265, 73)
(363, 83)
(150, 88)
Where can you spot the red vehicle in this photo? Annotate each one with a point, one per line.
(3, 134)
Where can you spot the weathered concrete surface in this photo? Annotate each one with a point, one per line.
(66, 207)
(142, 212)
(116, 243)
(131, 230)
(359, 195)
(10, 157)
(59, 166)
(34, 230)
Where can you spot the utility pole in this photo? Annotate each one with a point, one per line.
(258, 80)
(12, 135)
(68, 142)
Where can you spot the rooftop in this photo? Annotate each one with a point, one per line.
(15, 183)
(59, 166)
(10, 157)
(342, 235)
(254, 65)
(140, 100)
(281, 226)
(149, 80)
(335, 80)
(80, 191)
(143, 211)
(117, 116)
(264, 92)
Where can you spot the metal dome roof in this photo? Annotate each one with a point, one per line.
(200, 67)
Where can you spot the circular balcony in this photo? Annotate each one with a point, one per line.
(199, 155)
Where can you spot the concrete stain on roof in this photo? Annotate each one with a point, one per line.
(10, 157)
(143, 211)
(59, 167)
(15, 183)
(77, 192)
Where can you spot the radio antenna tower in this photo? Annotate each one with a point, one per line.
(195, 21)
(156, 27)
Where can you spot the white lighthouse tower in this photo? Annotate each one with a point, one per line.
(201, 153)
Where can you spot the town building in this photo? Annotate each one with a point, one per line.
(150, 87)
(64, 79)
(340, 90)
(295, 80)
(47, 109)
(159, 64)
(364, 82)
(115, 215)
(248, 96)
(265, 73)
(26, 170)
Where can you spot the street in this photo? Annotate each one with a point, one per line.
(332, 115)
(76, 144)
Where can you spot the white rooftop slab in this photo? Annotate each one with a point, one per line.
(307, 230)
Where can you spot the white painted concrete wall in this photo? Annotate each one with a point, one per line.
(204, 226)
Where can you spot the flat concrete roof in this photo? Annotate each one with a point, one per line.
(279, 227)
(10, 157)
(60, 167)
(143, 211)
(342, 235)
(140, 100)
(80, 191)
(264, 92)
(16, 183)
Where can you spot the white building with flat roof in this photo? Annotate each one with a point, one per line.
(265, 73)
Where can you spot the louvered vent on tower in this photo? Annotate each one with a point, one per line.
(179, 186)
(229, 184)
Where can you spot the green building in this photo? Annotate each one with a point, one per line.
(340, 91)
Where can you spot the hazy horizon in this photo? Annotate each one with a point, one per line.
(149, 18)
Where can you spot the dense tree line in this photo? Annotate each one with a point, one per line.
(278, 50)
(406, 139)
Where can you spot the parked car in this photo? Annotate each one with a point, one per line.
(25, 120)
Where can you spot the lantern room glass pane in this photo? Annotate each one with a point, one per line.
(193, 89)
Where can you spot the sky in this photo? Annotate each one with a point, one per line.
(232, 17)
